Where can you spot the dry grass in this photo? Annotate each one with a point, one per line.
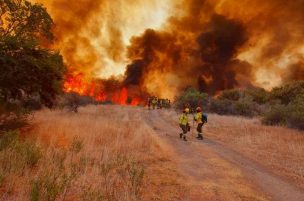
(101, 153)
(111, 153)
(278, 148)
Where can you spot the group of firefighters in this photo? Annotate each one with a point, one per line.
(158, 103)
(199, 117)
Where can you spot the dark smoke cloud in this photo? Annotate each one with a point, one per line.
(209, 37)
(153, 51)
(216, 47)
(210, 44)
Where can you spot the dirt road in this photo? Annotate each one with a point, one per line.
(212, 171)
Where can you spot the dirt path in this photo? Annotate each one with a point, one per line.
(215, 172)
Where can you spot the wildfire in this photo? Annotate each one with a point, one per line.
(76, 83)
(161, 47)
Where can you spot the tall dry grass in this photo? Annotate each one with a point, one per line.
(278, 148)
(100, 153)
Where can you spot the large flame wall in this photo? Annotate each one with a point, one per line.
(160, 47)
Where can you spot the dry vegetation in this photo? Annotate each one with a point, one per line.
(101, 153)
(111, 153)
(278, 148)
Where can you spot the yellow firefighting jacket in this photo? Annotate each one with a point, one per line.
(183, 119)
(199, 117)
(154, 102)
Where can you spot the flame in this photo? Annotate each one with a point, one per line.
(76, 82)
(164, 46)
(135, 101)
(121, 96)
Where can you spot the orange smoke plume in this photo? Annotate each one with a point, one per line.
(161, 47)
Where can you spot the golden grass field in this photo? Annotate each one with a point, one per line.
(107, 152)
(278, 148)
(114, 153)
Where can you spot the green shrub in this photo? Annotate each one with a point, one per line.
(288, 92)
(191, 97)
(296, 118)
(244, 107)
(258, 95)
(291, 115)
(277, 115)
(222, 107)
(231, 94)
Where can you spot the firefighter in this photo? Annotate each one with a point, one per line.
(149, 102)
(160, 103)
(154, 102)
(184, 124)
(199, 118)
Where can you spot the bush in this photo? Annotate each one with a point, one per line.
(244, 107)
(288, 92)
(258, 95)
(296, 120)
(221, 107)
(296, 107)
(231, 94)
(291, 115)
(191, 97)
(277, 115)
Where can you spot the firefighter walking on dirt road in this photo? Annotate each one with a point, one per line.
(184, 124)
(201, 119)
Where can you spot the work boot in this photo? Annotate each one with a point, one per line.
(200, 136)
(180, 135)
(185, 139)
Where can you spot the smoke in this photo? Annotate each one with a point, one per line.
(202, 54)
(218, 47)
(93, 35)
(162, 47)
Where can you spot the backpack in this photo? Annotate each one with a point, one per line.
(205, 117)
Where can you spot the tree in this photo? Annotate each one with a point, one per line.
(24, 20)
(191, 97)
(26, 68)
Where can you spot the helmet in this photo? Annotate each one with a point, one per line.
(198, 109)
(187, 110)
